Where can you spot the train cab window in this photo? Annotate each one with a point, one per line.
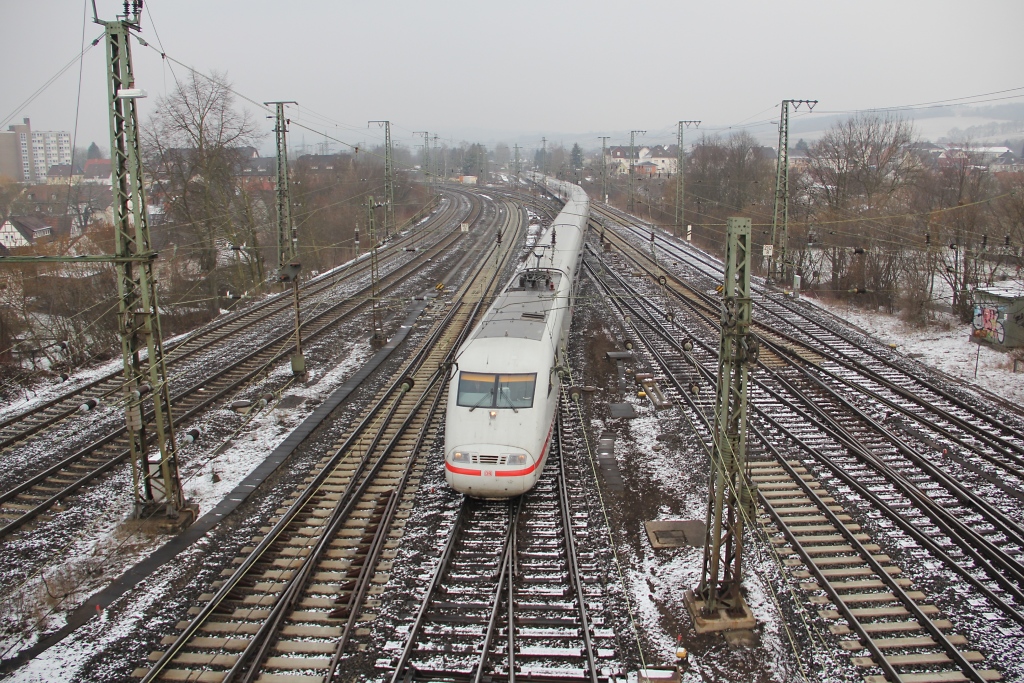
(486, 390)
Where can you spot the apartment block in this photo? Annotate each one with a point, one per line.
(27, 155)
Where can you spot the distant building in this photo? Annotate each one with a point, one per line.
(27, 155)
(97, 172)
(23, 231)
(63, 174)
(656, 159)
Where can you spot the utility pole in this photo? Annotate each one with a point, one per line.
(426, 160)
(631, 204)
(157, 485)
(604, 167)
(378, 331)
(517, 169)
(680, 187)
(389, 180)
(287, 240)
(780, 214)
(544, 155)
(436, 158)
(139, 319)
(718, 603)
(288, 266)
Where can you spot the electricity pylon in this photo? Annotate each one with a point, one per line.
(780, 213)
(389, 180)
(378, 328)
(426, 160)
(604, 167)
(632, 168)
(517, 169)
(680, 188)
(139, 319)
(287, 240)
(731, 495)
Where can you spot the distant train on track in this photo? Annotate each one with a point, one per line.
(503, 396)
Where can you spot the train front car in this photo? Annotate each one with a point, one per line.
(504, 393)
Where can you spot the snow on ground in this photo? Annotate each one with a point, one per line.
(105, 543)
(267, 429)
(944, 345)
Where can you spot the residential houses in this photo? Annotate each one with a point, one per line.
(650, 160)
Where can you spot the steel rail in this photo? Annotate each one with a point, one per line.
(282, 342)
(876, 567)
(842, 358)
(293, 511)
(963, 534)
(220, 330)
(792, 358)
(570, 553)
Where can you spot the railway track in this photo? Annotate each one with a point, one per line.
(307, 587)
(26, 500)
(509, 598)
(876, 608)
(18, 427)
(903, 444)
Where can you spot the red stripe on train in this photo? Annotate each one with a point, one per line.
(504, 473)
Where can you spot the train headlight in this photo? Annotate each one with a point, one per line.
(461, 457)
(494, 414)
(517, 459)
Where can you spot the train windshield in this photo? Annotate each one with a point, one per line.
(485, 390)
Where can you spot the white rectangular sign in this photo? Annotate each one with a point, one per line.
(767, 250)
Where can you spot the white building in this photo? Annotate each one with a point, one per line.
(27, 155)
(657, 159)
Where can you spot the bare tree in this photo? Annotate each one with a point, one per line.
(194, 143)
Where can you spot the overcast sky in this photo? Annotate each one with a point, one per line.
(522, 69)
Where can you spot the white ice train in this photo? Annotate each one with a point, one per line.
(504, 392)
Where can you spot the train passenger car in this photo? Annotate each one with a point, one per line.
(504, 392)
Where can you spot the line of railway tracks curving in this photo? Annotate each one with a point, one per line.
(37, 492)
(803, 417)
(308, 586)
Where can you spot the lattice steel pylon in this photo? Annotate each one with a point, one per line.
(156, 484)
(389, 180)
(780, 212)
(680, 187)
(731, 495)
(371, 229)
(426, 160)
(517, 168)
(287, 239)
(631, 201)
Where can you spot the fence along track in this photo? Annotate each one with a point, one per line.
(312, 568)
(33, 497)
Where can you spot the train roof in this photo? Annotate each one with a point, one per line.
(521, 312)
